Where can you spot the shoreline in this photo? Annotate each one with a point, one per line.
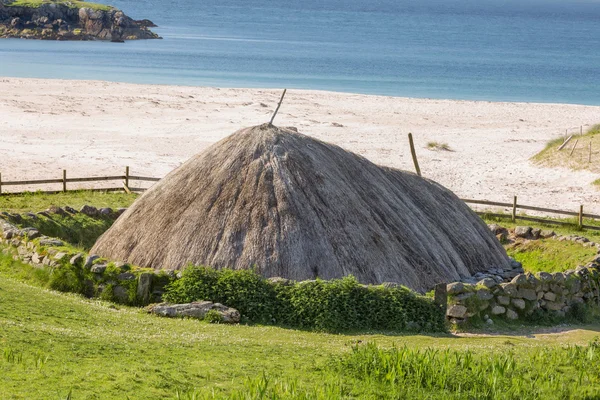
(264, 88)
(99, 127)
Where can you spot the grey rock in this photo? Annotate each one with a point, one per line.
(527, 294)
(51, 242)
(144, 287)
(120, 294)
(559, 277)
(126, 276)
(456, 311)
(31, 233)
(98, 268)
(518, 303)
(510, 314)
(89, 261)
(90, 211)
(71, 210)
(550, 305)
(60, 256)
(484, 294)
(497, 310)
(522, 231)
(503, 300)
(464, 296)
(535, 233)
(488, 283)
(550, 296)
(545, 234)
(197, 309)
(455, 288)
(544, 276)
(105, 211)
(520, 279)
(76, 259)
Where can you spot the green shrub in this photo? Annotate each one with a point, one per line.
(213, 317)
(68, 278)
(334, 306)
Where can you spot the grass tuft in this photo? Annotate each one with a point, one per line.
(438, 146)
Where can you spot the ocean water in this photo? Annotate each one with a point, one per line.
(535, 51)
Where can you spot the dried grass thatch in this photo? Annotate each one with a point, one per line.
(299, 208)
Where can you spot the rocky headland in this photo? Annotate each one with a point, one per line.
(70, 21)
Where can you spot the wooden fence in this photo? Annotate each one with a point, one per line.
(63, 181)
(127, 178)
(514, 206)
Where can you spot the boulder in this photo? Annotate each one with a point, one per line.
(90, 211)
(497, 310)
(523, 231)
(518, 303)
(545, 234)
(98, 268)
(76, 259)
(503, 300)
(89, 261)
(457, 311)
(51, 242)
(527, 294)
(196, 309)
(484, 294)
(144, 287)
(550, 296)
(510, 314)
(106, 212)
(455, 288)
(487, 282)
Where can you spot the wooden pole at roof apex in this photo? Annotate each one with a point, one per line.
(278, 105)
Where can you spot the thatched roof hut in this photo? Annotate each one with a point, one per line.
(299, 208)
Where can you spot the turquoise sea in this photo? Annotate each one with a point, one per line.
(537, 51)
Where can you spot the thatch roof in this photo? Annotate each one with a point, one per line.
(299, 208)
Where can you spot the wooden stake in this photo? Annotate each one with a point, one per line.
(580, 216)
(64, 180)
(127, 178)
(565, 143)
(573, 149)
(414, 153)
(278, 105)
(514, 209)
(126, 187)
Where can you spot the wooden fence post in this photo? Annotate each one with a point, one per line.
(580, 223)
(414, 153)
(514, 209)
(127, 176)
(64, 180)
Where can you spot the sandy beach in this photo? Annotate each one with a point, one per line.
(97, 128)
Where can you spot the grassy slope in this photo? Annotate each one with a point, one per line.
(98, 350)
(551, 157)
(550, 255)
(33, 202)
(69, 3)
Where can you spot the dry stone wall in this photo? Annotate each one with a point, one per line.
(515, 295)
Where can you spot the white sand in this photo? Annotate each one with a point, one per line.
(97, 128)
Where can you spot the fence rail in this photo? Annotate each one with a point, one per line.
(514, 206)
(126, 178)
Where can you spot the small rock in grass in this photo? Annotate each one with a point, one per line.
(105, 211)
(76, 259)
(522, 231)
(89, 261)
(98, 268)
(510, 314)
(90, 211)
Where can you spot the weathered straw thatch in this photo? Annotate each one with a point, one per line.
(299, 208)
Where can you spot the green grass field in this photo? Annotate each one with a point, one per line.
(53, 344)
(38, 201)
(62, 346)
